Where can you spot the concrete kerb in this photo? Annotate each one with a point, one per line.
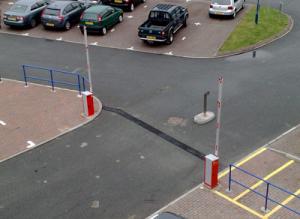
(201, 186)
(245, 50)
(61, 134)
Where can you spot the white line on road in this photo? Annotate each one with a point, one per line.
(112, 30)
(11, 3)
(197, 23)
(94, 44)
(30, 144)
(25, 34)
(2, 123)
(145, 6)
(130, 16)
(60, 38)
(131, 48)
(184, 38)
(169, 53)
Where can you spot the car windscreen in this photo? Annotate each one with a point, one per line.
(18, 8)
(90, 16)
(221, 2)
(52, 11)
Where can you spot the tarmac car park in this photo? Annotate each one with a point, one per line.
(188, 41)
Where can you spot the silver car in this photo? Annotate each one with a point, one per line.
(226, 7)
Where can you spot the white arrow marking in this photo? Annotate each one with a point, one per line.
(60, 38)
(197, 23)
(25, 34)
(2, 123)
(130, 16)
(94, 44)
(131, 48)
(184, 38)
(169, 53)
(112, 30)
(30, 144)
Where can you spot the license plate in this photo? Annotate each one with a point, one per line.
(50, 25)
(118, 1)
(220, 13)
(151, 37)
(12, 18)
(89, 23)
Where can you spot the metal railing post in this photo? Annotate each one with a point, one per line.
(51, 76)
(83, 83)
(267, 197)
(229, 179)
(78, 81)
(25, 77)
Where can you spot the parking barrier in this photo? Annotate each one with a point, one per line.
(265, 195)
(79, 83)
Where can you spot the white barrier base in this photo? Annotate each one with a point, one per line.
(204, 118)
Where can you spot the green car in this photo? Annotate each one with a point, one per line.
(99, 18)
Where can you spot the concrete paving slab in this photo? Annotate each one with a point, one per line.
(34, 114)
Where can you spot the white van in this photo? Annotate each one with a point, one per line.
(225, 7)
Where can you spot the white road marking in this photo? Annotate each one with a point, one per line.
(83, 144)
(112, 30)
(197, 23)
(131, 48)
(95, 204)
(67, 146)
(188, 0)
(117, 161)
(30, 144)
(60, 38)
(184, 38)
(98, 136)
(25, 34)
(145, 6)
(94, 44)
(97, 177)
(11, 3)
(169, 53)
(142, 157)
(2, 123)
(130, 16)
(45, 181)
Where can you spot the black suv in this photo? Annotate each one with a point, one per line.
(164, 20)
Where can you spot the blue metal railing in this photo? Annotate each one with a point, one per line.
(266, 194)
(80, 84)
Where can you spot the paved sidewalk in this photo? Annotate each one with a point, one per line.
(277, 162)
(32, 115)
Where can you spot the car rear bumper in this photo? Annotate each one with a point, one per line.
(53, 23)
(125, 5)
(220, 12)
(152, 38)
(91, 29)
(14, 23)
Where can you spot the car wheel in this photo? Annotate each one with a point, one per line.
(103, 31)
(234, 15)
(170, 38)
(33, 22)
(185, 22)
(131, 7)
(67, 25)
(120, 18)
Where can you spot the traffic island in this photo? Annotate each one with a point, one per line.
(271, 25)
(34, 114)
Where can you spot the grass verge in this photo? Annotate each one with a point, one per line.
(247, 33)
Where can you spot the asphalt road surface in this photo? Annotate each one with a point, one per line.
(125, 170)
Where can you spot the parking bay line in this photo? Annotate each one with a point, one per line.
(239, 204)
(246, 159)
(2, 123)
(285, 202)
(265, 178)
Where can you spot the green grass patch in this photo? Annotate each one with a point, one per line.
(271, 22)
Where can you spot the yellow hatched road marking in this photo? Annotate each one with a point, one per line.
(246, 159)
(239, 204)
(286, 201)
(265, 178)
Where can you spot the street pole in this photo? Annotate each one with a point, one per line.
(88, 58)
(219, 106)
(257, 12)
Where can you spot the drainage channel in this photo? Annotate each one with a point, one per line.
(155, 131)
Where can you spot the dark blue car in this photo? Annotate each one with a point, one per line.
(24, 13)
(62, 14)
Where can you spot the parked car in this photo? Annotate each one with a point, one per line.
(89, 3)
(62, 14)
(99, 18)
(24, 13)
(126, 4)
(225, 7)
(163, 22)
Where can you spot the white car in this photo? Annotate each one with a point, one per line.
(225, 7)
